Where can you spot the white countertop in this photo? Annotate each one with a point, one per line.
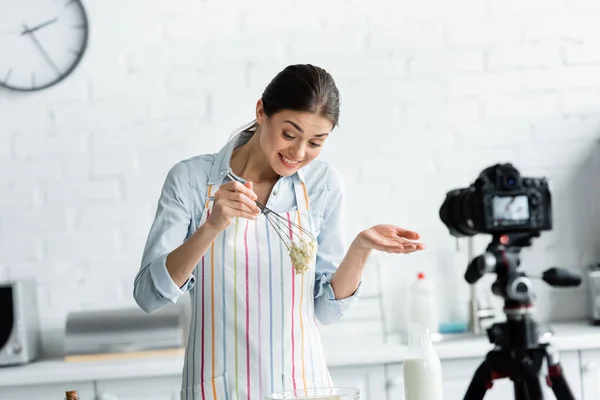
(567, 337)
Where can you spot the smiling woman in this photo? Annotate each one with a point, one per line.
(256, 307)
(294, 116)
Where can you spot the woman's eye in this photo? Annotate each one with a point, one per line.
(287, 136)
(314, 144)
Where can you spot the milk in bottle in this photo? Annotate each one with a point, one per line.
(422, 367)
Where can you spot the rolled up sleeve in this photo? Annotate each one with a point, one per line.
(330, 254)
(153, 286)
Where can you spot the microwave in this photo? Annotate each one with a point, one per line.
(19, 322)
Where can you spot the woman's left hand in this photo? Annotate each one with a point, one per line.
(390, 239)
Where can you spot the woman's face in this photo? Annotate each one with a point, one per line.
(291, 139)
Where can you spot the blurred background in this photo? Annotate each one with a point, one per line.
(432, 92)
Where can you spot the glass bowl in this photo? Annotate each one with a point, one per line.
(321, 393)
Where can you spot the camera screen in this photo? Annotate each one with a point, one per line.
(510, 210)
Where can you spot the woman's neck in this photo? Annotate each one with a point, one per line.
(249, 162)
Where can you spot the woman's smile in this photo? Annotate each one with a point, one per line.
(288, 162)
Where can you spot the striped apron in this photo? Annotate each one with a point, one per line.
(253, 330)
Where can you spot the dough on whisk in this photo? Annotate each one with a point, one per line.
(302, 252)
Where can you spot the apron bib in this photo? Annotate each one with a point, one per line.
(253, 331)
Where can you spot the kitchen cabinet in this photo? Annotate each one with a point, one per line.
(375, 371)
(370, 380)
(457, 375)
(590, 374)
(156, 388)
(54, 391)
(375, 382)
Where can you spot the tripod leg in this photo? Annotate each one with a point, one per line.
(556, 379)
(482, 381)
(521, 391)
(527, 385)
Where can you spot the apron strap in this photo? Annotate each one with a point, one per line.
(209, 197)
(301, 191)
(210, 193)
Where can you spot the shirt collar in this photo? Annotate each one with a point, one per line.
(222, 164)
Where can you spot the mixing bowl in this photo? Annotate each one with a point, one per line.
(320, 393)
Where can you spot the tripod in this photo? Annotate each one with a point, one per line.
(518, 354)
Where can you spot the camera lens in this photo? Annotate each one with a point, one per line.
(456, 212)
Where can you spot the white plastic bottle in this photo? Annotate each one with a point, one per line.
(423, 304)
(422, 367)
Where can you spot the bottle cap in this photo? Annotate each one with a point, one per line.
(72, 395)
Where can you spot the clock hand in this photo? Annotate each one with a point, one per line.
(42, 50)
(9, 32)
(7, 76)
(35, 28)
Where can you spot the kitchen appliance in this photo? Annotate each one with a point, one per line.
(124, 333)
(594, 291)
(19, 324)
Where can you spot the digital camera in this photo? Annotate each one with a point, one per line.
(499, 201)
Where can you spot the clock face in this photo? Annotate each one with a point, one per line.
(41, 42)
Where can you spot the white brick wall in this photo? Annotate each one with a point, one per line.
(432, 91)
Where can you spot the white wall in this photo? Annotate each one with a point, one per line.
(433, 91)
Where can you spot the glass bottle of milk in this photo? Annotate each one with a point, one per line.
(422, 367)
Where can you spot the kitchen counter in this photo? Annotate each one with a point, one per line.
(346, 352)
(571, 336)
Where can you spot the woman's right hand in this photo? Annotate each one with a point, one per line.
(233, 199)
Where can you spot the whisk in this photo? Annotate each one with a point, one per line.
(300, 242)
(287, 229)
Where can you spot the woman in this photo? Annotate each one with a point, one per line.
(254, 328)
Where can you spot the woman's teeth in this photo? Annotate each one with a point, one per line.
(287, 160)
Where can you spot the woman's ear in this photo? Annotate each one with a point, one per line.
(260, 112)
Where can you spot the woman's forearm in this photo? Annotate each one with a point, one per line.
(346, 278)
(182, 261)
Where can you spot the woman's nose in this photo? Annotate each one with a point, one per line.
(298, 152)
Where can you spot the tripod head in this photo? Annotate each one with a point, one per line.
(513, 285)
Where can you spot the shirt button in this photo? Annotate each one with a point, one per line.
(275, 192)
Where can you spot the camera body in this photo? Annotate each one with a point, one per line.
(500, 201)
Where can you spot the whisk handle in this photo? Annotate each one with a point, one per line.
(262, 207)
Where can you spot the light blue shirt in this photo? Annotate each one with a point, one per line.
(181, 205)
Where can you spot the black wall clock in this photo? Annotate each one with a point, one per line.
(41, 42)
